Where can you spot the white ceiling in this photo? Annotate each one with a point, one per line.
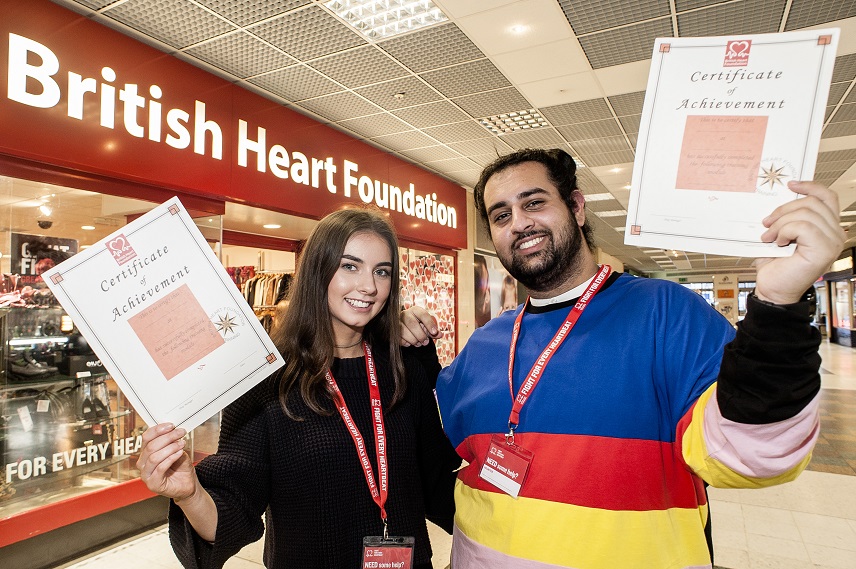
(582, 64)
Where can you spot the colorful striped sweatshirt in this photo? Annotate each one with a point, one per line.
(650, 394)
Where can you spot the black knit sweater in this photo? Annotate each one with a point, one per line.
(306, 477)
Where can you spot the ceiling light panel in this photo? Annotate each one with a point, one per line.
(415, 92)
(625, 45)
(598, 197)
(178, 23)
(378, 19)
(517, 121)
(241, 55)
(246, 13)
(296, 83)
(432, 48)
(308, 33)
(579, 112)
(467, 78)
(358, 67)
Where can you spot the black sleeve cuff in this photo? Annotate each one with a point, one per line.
(769, 372)
(427, 358)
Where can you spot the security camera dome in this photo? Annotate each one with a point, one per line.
(45, 223)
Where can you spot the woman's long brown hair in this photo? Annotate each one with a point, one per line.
(304, 332)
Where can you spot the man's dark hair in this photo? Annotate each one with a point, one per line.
(560, 167)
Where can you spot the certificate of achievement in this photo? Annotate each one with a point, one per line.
(168, 323)
(727, 123)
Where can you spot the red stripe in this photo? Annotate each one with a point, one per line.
(596, 472)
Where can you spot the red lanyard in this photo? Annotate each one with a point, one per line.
(380, 493)
(537, 370)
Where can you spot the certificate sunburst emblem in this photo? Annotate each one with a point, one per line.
(226, 324)
(772, 175)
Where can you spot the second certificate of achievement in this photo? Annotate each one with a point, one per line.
(727, 123)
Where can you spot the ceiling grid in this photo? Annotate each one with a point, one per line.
(422, 94)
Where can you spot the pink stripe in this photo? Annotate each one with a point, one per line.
(761, 451)
(468, 554)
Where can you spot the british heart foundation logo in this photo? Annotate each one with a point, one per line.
(737, 53)
(121, 250)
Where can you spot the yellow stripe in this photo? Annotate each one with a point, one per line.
(714, 472)
(575, 536)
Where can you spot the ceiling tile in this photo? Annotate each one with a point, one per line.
(437, 46)
(241, 55)
(458, 132)
(623, 45)
(432, 114)
(539, 138)
(454, 165)
(491, 30)
(413, 90)
(308, 33)
(178, 23)
(601, 145)
(747, 17)
(608, 158)
(592, 129)
(430, 154)
(805, 13)
(587, 16)
(375, 125)
(340, 106)
(845, 68)
(466, 78)
(406, 140)
(246, 13)
(540, 62)
(579, 112)
(493, 146)
(493, 102)
(628, 103)
(624, 78)
(564, 89)
(630, 124)
(296, 83)
(839, 129)
(360, 66)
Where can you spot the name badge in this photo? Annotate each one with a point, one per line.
(505, 465)
(389, 553)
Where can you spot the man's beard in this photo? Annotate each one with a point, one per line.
(550, 267)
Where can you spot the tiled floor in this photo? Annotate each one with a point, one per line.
(807, 524)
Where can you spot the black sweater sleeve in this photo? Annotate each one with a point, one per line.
(241, 457)
(438, 460)
(769, 372)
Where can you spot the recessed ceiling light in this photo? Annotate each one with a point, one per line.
(388, 18)
(87, 227)
(615, 170)
(271, 226)
(518, 29)
(46, 210)
(515, 121)
(611, 213)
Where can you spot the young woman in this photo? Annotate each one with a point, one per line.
(292, 447)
